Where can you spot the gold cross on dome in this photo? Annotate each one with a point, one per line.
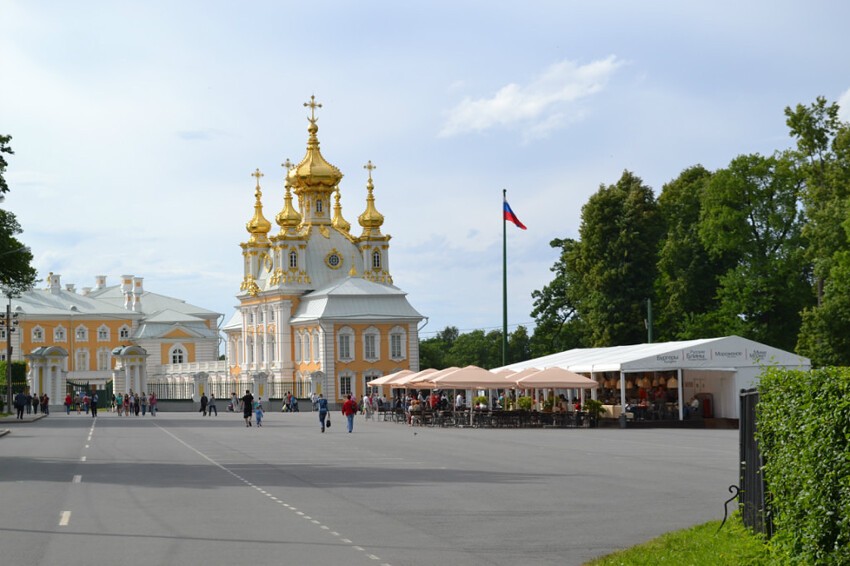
(287, 164)
(369, 167)
(257, 174)
(313, 105)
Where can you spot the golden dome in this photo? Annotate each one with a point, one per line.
(338, 221)
(314, 171)
(288, 217)
(371, 219)
(258, 226)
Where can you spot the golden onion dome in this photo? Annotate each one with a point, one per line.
(338, 221)
(258, 226)
(371, 219)
(314, 171)
(288, 216)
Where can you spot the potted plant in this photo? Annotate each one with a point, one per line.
(594, 410)
(524, 403)
(481, 402)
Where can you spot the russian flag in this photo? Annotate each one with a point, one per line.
(509, 215)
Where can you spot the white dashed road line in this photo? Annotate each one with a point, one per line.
(267, 494)
(77, 479)
(64, 518)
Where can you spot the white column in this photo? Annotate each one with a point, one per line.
(623, 391)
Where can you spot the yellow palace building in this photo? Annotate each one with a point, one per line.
(318, 311)
(121, 334)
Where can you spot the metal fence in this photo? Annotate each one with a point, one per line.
(185, 390)
(753, 498)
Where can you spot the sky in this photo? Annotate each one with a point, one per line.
(136, 125)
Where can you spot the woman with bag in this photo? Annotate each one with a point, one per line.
(322, 405)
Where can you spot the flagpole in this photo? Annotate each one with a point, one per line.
(504, 282)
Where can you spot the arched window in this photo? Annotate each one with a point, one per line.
(376, 259)
(345, 339)
(316, 346)
(59, 334)
(398, 341)
(103, 333)
(81, 334)
(371, 344)
(124, 332)
(297, 347)
(319, 206)
(177, 355)
(249, 350)
(293, 259)
(272, 348)
(103, 359)
(37, 334)
(82, 360)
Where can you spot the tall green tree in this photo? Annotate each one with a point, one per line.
(615, 261)
(557, 325)
(823, 153)
(752, 210)
(16, 271)
(688, 275)
(433, 351)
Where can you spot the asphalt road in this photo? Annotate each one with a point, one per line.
(181, 489)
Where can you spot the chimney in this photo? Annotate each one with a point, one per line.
(86, 291)
(53, 283)
(100, 282)
(70, 287)
(127, 290)
(138, 289)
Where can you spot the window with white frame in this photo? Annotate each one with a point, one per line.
(376, 259)
(271, 315)
(371, 344)
(81, 334)
(397, 343)
(124, 332)
(316, 346)
(250, 318)
(177, 354)
(345, 381)
(319, 206)
(293, 259)
(262, 349)
(103, 334)
(3, 334)
(38, 334)
(297, 347)
(59, 334)
(272, 348)
(103, 359)
(345, 338)
(82, 360)
(369, 376)
(305, 343)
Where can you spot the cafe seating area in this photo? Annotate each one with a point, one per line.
(479, 418)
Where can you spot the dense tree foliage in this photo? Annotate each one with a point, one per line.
(16, 273)
(451, 348)
(759, 248)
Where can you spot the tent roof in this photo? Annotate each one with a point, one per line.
(729, 352)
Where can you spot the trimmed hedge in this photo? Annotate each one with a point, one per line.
(803, 431)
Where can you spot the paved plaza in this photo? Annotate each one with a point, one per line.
(183, 489)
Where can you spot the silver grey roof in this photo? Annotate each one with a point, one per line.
(356, 299)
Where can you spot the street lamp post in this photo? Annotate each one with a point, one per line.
(9, 323)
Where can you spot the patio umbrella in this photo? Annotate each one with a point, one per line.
(470, 377)
(556, 378)
(411, 379)
(390, 378)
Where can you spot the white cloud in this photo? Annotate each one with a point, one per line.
(844, 106)
(539, 107)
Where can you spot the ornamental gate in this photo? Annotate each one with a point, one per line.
(104, 396)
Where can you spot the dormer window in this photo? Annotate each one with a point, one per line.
(293, 259)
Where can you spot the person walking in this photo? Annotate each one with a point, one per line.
(322, 406)
(68, 402)
(349, 409)
(211, 405)
(20, 400)
(234, 401)
(258, 411)
(152, 404)
(45, 404)
(204, 402)
(136, 404)
(247, 406)
(35, 403)
(144, 401)
(93, 403)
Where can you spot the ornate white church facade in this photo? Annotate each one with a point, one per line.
(318, 311)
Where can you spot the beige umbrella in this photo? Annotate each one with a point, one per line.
(556, 378)
(470, 377)
(390, 378)
(413, 378)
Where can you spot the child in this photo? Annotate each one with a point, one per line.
(258, 412)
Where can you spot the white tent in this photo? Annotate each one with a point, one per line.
(717, 366)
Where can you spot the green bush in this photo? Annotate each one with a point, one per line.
(524, 403)
(803, 431)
